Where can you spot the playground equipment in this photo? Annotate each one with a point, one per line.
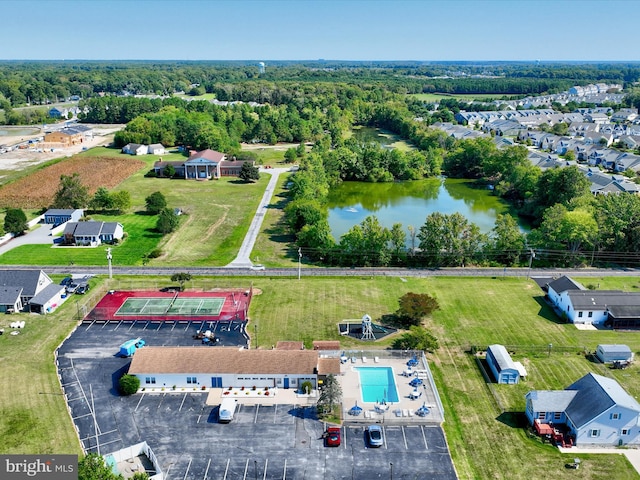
(367, 328)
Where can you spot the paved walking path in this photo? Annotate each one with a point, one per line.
(243, 260)
(633, 454)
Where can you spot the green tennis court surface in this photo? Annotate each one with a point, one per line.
(170, 306)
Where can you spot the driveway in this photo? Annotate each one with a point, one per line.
(243, 260)
(39, 235)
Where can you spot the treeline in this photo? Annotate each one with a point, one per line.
(37, 83)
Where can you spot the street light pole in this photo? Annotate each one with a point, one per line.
(299, 262)
(391, 473)
(109, 257)
(255, 329)
(532, 255)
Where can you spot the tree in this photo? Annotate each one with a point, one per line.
(414, 307)
(290, 155)
(94, 467)
(169, 171)
(168, 221)
(249, 172)
(15, 221)
(101, 200)
(128, 384)
(367, 244)
(121, 201)
(417, 338)
(330, 395)
(181, 278)
(507, 241)
(71, 193)
(155, 203)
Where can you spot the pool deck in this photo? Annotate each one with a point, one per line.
(401, 412)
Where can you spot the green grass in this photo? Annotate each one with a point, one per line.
(204, 96)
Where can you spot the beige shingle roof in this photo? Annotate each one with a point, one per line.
(326, 345)
(163, 360)
(287, 345)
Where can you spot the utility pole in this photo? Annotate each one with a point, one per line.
(109, 257)
(532, 255)
(299, 262)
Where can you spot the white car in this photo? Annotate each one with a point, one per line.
(257, 267)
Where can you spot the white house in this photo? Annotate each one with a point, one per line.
(595, 409)
(135, 149)
(92, 233)
(156, 149)
(20, 288)
(222, 367)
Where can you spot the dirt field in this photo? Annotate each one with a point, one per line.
(21, 159)
(38, 189)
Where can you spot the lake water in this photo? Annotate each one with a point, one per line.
(16, 132)
(409, 203)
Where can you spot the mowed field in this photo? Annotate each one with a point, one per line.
(480, 420)
(436, 97)
(37, 190)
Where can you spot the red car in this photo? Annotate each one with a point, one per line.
(332, 437)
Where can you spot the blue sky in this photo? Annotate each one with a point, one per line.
(313, 29)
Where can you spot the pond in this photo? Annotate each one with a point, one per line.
(16, 132)
(409, 203)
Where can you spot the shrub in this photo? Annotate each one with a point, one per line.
(306, 387)
(128, 384)
(151, 174)
(155, 253)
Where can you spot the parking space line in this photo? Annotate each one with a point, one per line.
(81, 416)
(138, 404)
(385, 437)
(187, 472)
(266, 461)
(132, 324)
(64, 385)
(159, 327)
(182, 403)
(207, 470)
(74, 399)
(104, 325)
(424, 437)
(163, 395)
(116, 327)
(145, 327)
(225, 470)
(275, 411)
(102, 444)
(246, 467)
(255, 420)
(94, 436)
(405, 439)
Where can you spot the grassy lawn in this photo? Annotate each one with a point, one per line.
(481, 421)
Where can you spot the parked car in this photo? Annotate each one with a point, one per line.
(374, 435)
(66, 281)
(257, 267)
(72, 287)
(83, 288)
(332, 437)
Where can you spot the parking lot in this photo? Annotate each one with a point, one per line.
(263, 441)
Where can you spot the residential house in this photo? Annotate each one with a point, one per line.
(92, 233)
(225, 367)
(156, 149)
(596, 410)
(135, 149)
(502, 366)
(597, 118)
(19, 288)
(203, 165)
(66, 137)
(630, 141)
(58, 216)
(625, 115)
(627, 161)
(598, 138)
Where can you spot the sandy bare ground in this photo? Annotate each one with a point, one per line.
(21, 159)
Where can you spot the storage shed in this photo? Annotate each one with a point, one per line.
(503, 368)
(614, 353)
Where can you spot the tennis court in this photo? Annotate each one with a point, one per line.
(171, 306)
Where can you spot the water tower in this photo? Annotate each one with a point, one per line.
(261, 67)
(367, 328)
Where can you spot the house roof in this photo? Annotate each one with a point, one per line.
(9, 295)
(503, 359)
(90, 229)
(550, 400)
(28, 280)
(60, 211)
(624, 311)
(328, 366)
(46, 294)
(596, 394)
(603, 299)
(109, 228)
(207, 154)
(230, 360)
(563, 284)
(326, 345)
(156, 145)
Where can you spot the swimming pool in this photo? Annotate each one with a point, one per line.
(377, 384)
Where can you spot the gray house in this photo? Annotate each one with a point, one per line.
(92, 233)
(19, 288)
(502, 366)
(58, 216)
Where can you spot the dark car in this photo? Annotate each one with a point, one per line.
(374, 435)
(82, 288)
(332, 437)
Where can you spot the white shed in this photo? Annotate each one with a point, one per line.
(614, 353)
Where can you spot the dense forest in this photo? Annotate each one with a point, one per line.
(319, 103)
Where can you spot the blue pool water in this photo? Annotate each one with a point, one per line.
(377, 384)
